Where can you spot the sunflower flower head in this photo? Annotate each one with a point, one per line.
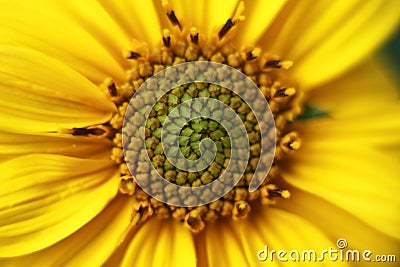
(79, 159)
(180, 44)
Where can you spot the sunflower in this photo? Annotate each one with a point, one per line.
(69, 68)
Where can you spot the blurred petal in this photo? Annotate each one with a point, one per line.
(281, 230)
(45, 198)
(354, 94)
(345, 171)
(259, 15)
(375, 130)
(138, 19)
(223, 245)
(161, 243)
(218, 12)
(337, 223)
(325, 39)
(89, 246)
(204, 15)
(41, 94)
(81, 34)
(14, 145)
(190, 14)
(363, 105)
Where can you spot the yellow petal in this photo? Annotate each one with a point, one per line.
(259, 15)
(45, 198)
(223, 245)
(161, 243)
(14, 145)
(190, 14)
(337, 223)
(367, 90)
(204, 15)
(41, 94)
(280, 230)
(362, 105)
(375, 130)
(346, 172)
(355, 38)
(89, 246)
(80, 34)
(217, 13)
(326, 39)
(139, 19)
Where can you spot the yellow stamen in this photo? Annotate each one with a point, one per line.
(294, 145)
(290, 141)
(285, 194)
(286, 64)
(131, 54)
(253, 54)
(127, 185)
(238, 16)
(166, 38)
(165, 3)
(274, 63)
(240, 210)
(194, 222)
(194, 36)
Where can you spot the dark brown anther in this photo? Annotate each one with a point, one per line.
(95, 131)
(142, 211)
(173, 19)
(112, 89)
(273, 64)
(226, 28)
(278, 193)
(194, 38)
(133, 55)
(250, 56)
(167, 41)
(80, 131)
(281, 93)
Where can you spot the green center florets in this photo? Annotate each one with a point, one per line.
(195, 131)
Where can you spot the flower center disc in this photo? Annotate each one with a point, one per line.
(179, 46)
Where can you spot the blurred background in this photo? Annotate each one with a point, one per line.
(391, 54)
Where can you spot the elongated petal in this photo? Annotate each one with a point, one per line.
(348, 173)
(275, 229)
(41, 94)
(14, 145)
(259, 16)
(161, 243)
(326, 39)
(190, 13)
(223, 245)
(218, 12)
(353, 95)
(339, 224)
(81, 34)
(137, 18)
(45, 198)
(204, 15)
(90, 245)
(362, 104)
(371, 131)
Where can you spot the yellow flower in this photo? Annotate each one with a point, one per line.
(67, 69)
